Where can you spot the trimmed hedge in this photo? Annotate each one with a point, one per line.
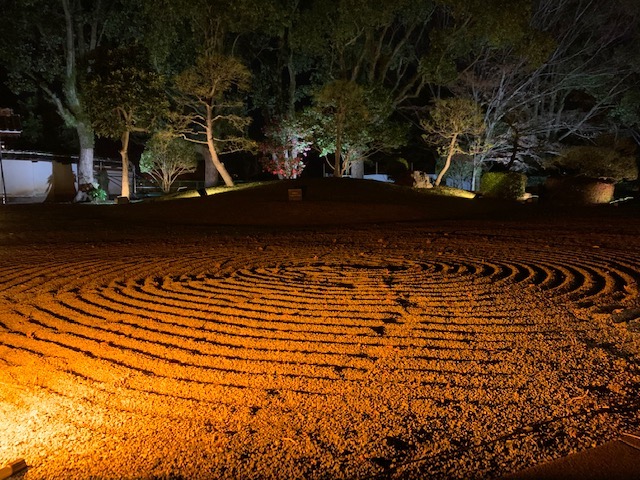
(578, 190)
(503, 185)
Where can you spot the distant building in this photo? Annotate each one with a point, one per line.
(10, 125)
(36, 177)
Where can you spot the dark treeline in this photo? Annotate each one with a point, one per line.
(348, 78)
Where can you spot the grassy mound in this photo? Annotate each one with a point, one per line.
(324, 201)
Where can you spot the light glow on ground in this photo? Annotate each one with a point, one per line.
(436, 349)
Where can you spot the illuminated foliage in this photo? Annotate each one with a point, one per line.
(177, 32)
(553, 86)
(596, 162)
(455, 124)
(209, 101)
(285, 148)
(546, 73)
(338, 113)
(371, 43)
(123, 97)
(352, 123)
(165, 158)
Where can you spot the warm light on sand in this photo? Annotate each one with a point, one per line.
(24, 426)
(313, 353)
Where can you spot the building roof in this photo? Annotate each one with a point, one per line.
(10, 124)
(37, 156)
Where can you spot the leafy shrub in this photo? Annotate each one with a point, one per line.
(165, 158)
(280, 164)
(285, 149)
(97, 194)
(596, 162)
(503, 185)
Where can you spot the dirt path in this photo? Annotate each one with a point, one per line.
(456, 350)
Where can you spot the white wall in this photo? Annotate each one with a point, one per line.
(29, 181)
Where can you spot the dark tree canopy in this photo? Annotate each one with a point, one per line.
(124, 96)
(44, 51)
(545, 74)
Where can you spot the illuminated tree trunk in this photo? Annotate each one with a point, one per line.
(166, 182)
(75, 115)
(85, 162)
(124, 155)
(210, 171)
(228, 181)
(447, 163)
(291, 103)
(337, 165)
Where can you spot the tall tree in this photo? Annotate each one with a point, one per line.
(341, 103)
(201, 42)
(370, 43)
(177, 32)
(352, 123)
(43, 51)
(375, 46)
(124, 96)
(278, 59)
(455, 126)
(549, 83)
(210, 106)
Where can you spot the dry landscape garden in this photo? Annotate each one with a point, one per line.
(201, 280)
(350, 335)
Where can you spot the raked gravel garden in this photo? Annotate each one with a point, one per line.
(205, 339)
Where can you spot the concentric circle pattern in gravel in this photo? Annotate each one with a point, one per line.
(399, 351)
